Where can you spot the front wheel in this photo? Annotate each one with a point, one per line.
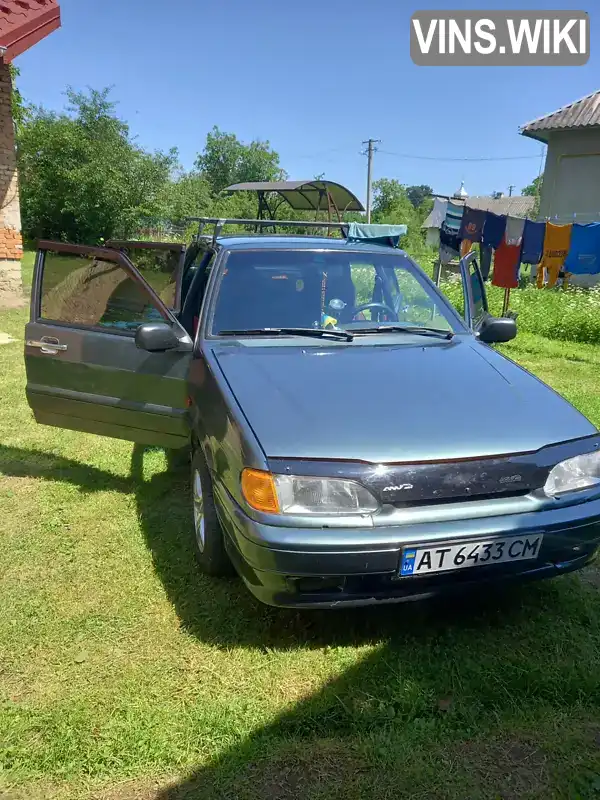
(208, 536)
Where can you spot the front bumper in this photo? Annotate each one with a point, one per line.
(314, 568)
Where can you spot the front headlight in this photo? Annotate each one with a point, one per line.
(298, 494)
(579, 472)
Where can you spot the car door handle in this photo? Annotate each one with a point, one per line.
(47, 344)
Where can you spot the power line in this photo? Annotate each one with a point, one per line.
(451, 158)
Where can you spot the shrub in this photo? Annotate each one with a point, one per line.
(571, 315)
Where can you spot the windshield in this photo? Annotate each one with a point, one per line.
(341, 291)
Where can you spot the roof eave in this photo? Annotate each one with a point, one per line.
(30, 33)
(540, 136)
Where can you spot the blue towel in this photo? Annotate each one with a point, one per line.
(454, 215)
(532, 248)
(493, 229)
(584, 252)
(377, 234)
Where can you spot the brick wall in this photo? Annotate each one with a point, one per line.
(11, 246)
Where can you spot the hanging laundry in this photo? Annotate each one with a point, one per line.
(556, 247)
(485, 260)
(506, 265)
(449, 238)
(465, 247)
(514, 230)
(532, 248)
(584, 251)
(493, 229)
(454, 215)
(471, 226)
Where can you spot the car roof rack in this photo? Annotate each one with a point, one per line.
(262, 223)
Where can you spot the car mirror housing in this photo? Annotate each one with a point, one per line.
(495, 330)
(156, 337)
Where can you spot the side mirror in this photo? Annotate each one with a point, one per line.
(156, 337)
(495, 330)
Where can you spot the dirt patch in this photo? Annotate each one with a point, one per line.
(302, 770)
(508, 770)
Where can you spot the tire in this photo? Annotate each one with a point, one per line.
(209, 544)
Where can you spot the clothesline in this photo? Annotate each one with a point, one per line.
(556, 249)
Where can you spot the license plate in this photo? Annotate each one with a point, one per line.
(446, 557)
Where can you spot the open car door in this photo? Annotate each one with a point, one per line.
(84, 369)
(161, 264)
(475, 297)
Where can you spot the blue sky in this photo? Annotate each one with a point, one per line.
(315, 78)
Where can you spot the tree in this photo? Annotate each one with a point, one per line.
(226, 160)
(418, 194)
(188, 195)
(391, 205)
(82, 176)
(19, 108)
(535, 187)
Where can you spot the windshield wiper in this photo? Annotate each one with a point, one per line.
(417, 330)
(315, 333)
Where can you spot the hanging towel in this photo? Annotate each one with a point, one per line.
(514, 230)
(493, 229)
(454, 215)
(532, 248)
(485, 260)
(472, 224)
(506, 266)
(584, 250)
(556, 247)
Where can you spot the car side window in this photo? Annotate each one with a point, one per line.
(87, 291)
(159, 265)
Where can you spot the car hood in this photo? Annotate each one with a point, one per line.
(391, 403)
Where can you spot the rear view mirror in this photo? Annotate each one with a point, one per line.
(495, 330)
(156, 337)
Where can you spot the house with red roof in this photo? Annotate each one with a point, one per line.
(23, 23)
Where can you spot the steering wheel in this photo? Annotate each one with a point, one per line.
(383, 306)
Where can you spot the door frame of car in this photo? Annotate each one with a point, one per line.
(96, 379)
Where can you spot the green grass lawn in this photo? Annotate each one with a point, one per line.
(126, 674)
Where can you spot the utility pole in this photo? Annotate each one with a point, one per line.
(510, 190)
(370, 150)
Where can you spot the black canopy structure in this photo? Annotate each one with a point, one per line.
(314, 196)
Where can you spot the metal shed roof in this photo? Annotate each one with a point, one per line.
(305, 195)
(23, 23)
(515, 205)
(584, 113)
